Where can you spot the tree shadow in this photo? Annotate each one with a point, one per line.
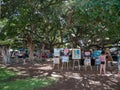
(68, 79)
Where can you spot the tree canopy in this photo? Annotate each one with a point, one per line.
(57, 23)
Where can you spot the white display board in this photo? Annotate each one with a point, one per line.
(65, 59)
(87, 60)
(57, 51)
(56, 60)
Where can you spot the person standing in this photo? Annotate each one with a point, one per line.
(103, 62)
(118, 56)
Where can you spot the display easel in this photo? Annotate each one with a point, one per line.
(97, 63)
(76, 56)
(56, 61)
(110, 59)
(87, 60)
(87, 63)
(56, 58)
(65, 62)
(78, 63)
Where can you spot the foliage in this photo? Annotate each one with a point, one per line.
(6, 43)
(56, 22)
(97, 19)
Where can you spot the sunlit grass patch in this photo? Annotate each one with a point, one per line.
(5, 74)
(22, 84)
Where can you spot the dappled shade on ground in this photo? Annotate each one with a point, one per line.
(69, 79)
(12, 80)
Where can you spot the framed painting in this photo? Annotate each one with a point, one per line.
(76, 54)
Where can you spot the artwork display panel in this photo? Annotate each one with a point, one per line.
(76, 54)
(57, 51)
(65, 58)
(56, 60)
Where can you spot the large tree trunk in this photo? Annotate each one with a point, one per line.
(42, 49)
(31, 44)
(31, 48)
(5, 54)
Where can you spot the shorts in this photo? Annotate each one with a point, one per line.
(102, 62)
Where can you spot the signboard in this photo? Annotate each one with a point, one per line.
(76, 54)
(65, 58)
(57, 52)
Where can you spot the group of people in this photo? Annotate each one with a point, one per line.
(103, 61)
(103, 58)
(19, 55)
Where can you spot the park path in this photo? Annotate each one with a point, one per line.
(69, 79)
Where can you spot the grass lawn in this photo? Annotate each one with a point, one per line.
(5, 74)
(22, 84)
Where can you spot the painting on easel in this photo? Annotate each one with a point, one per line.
(56, 51)
(76, 54)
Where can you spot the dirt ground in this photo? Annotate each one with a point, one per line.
(70, 79)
